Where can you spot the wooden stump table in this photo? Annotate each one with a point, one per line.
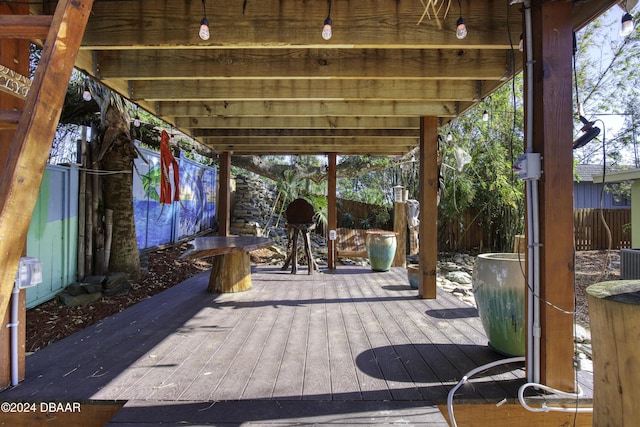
(614, 316)
(231, 265)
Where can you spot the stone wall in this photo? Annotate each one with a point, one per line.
(253, 202)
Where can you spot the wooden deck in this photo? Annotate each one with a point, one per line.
(349, 347)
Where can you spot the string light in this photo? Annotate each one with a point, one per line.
(626, 25)
(204, 23)
(328, 23)
(521, 43)
(86, 95)
(136, 119)
(461, 28)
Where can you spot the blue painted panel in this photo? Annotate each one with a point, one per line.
(53, 232)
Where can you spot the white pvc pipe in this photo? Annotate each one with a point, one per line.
(15, 301)
(533, 235)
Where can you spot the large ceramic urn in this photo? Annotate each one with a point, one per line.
(499, 291)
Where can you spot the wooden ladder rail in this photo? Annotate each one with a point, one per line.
(22, 173)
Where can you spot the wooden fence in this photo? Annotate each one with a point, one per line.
(467, 234)
(590, 231)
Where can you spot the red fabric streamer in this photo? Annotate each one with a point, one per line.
(167, 160)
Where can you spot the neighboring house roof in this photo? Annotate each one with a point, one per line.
(585, 173)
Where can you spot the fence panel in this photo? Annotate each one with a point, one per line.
(591, 233)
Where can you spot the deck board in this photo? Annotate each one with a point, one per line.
(351, 343)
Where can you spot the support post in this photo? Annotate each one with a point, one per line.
(552, 122)
(27, 156)
(332, 211)
(428, 197)
(15, 53)
(224, 194)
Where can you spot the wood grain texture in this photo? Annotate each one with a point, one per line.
(27, 156)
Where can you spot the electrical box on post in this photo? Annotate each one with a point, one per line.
(528, 166)
(332, 234)
(29, 272)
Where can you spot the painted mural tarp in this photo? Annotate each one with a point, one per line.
(159, 223)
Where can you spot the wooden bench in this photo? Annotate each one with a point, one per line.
(351, 243)
(231, 265)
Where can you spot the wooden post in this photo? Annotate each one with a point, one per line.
(332, 211)
(428, 198)
(614, 316)
(224, 194)
(400, 227)
(552, 127)
(13, 53)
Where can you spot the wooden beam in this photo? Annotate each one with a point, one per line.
(332, 210)
(224, 194)
(16, 53)
(325, 122)
(274, 23)
(298, 122)
(312, 149)
(220, 64)
(24, 26)
(226, 90)
(210, 134)
(22, 173)
(9, 119)
(552, 138)
(305, 108)
(428, 196)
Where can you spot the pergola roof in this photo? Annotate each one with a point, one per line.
(267, 83)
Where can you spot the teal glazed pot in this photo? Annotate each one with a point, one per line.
(381, 248)
(413, 272)
(499, 289)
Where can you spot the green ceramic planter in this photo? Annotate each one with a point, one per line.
(499, 291)
(412, 275)
(381, 248)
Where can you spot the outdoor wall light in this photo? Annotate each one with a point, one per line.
(626, 25)
(204, 24)
(326, 29)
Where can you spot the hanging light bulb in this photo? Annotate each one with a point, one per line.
(521, 43)
(86, 95)
(626, 25)
(449, 137)
(485, 116)
(204, 24)
(328, 23)
(461, 28)
(136, 121)
(326, 30)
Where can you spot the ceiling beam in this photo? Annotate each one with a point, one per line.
(277, 23)
(191, 90)
(450, 64)
(301, 133)
(280, 122)
(171, 109)
(25, 26)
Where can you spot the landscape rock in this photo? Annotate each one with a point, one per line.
(76, 300)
